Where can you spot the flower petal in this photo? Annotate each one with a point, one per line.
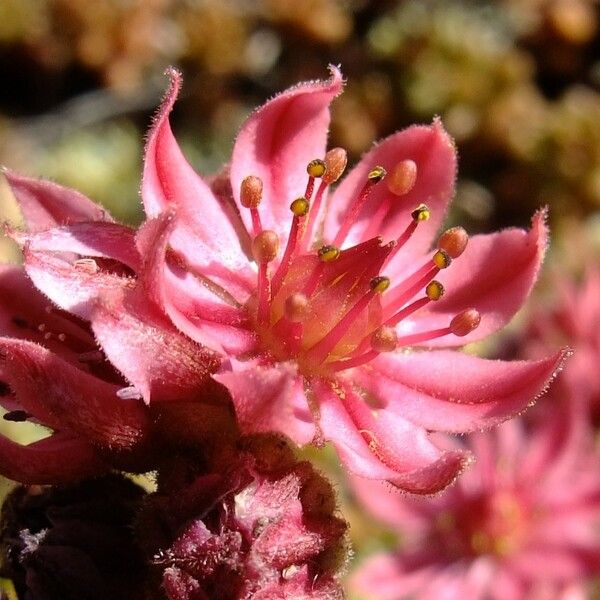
(433, 151)
(269, 399)
(383, 445)
(276, 144)
(55, 460)
(494, 275)
(203, 234)
(450, 391)
(66, 398)
(45, 204)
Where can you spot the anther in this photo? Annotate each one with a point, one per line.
(316, 168)
(251, 190)
(403, 178)
(88, 265)
(379, 284)
(265, 246)
(16, 416)
(300, 207)
(465, 322)
(421, 213)
(335, 163)
(376, 174)
(454, 241)
(328, 253)
(296, 307)
(441, 259)
(384, 339)
(434, 290)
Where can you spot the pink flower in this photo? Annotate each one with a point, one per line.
(521, 524)
(249, 277)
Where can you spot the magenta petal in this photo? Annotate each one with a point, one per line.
(383, 445)
(432, 149)
(494, 275)
(276, 144)
(45, 204)
(65, 397)
(449, 391)
(204, 234)
(98, 239)
(210, 316)
(160, 362)
(269, 399)
(55, 460)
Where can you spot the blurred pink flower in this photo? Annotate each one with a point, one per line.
(305, 340)
(522, 524)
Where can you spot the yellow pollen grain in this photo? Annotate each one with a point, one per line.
(328, 253)
(434, 290)
(441, 259)
(421, 213)
(316, 168)
(300, 207)
(376, 174)
(379, 284)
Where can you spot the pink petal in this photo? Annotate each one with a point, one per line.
(494, 275)
(383, 445)
(276, 144)
(160, 362)
(55, 460)
(432, 149)
(45, 204)
(450, 391)
(204, 234)
(97, 239)
(269, 399)
(212, 318)
(64, 397)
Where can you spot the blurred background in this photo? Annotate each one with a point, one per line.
(516, 82)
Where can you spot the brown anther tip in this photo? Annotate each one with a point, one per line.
(300, 207)
(335, 161)
(454, 241)
(296, 307)
(379, 284)
(421, 213)
(265, 246)
(376, 174)
(384, 339)
(251, 190)
(434, 290)
(328, 253)
(441, 259)
(403, 178)
(316, 168)
(465, 322)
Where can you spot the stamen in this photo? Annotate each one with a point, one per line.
(465, 322)
(454, 241)
(319, 352)
(384, 339)
(316, 168)
(326, 255)
(335, 163)
(404, 292)
(434, 290)
(441, 259)
(264, 247)
(374, 177)
(420, 214)
(251, 190)
(403, 178)
(299, 208)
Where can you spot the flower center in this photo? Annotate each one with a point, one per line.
(324, 308)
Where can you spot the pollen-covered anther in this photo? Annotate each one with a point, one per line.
(441, 259)
(265, 246)
(465, 322)
(376, 174)
(300, 207)
(316, 168)
(403, 178)
(251, 190)
(384, 339)
(379, 284)
(434, 290)
(421, 213)
(296, 307)
(335, 162)
(454, 241)
(328, 253)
